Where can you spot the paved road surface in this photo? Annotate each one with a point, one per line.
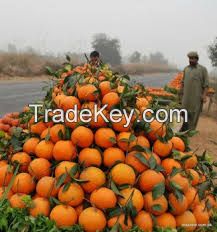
(13, 96)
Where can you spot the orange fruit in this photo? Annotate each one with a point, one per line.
(55, 132)
(64, 150)
(39, 167)
(6, 173)
(105, 137)
(23, 159)
(121, 126)
(150, 204)
(120, 219)
(105, 87)
(82, 136)
(144, 221)
(23, 183)
(157, 130)
(16, 200)
(110, 99)
(181, 181)
(191, 162)
(166, 220)
(201, 214)
(2, 191)
(162, 149)
(192, 197)
(194, 177)
(118, 174)
(44, 150)
(112, 156)
(168, 164)
(46, 187)
(65, 167)
(134, 162)
(30, 145)
(3, 163)
(211, 200)
(73, 196)
(95, 177)
(72, 120)
(124, 139)
(92, 219)
(38, 128)
(179, 206)
(87, 92)
(63, 215)
(178, 144)
(148, 179)
(186, 220)
(103, 198)
(135, 195)
(69, 102)
(141, 102)
(45, 133)
(90, 157)
(140, 141)
(59, 99)
(41, 206)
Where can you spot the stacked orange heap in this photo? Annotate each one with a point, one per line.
(104, 175)
(176, 82)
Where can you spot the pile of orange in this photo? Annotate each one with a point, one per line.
(159, 92)
(9, 120)
(106, 175)
(176, 82)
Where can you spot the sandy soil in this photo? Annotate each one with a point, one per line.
(206, 139)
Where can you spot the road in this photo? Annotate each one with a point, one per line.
(15, 95)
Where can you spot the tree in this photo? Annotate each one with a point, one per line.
(135, 57)
(212, 50)
(12, 48)
(158, 58)
(109, 48)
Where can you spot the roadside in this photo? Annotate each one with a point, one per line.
(206, 138)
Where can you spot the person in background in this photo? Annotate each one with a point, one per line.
(95, 59)
(193, 91)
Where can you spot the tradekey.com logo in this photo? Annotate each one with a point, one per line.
(114, 116)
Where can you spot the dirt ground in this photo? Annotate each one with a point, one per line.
(206, 139)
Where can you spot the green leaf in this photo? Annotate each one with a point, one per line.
(175, 171)
(175, 186)
(47, 137)
(113, 212)
(61, 180)
(192, 133)
(79, 180)
(152, 162)
(157, 207)
(142, 159)
(66, 187)
(68, 133)
(54, 201)
(179, 195)
(60, 135)
(132, 138)
(73, 171)
(158, 190)
(202, 188)
(138, 148)
(115, 189)
(49, 70)
(112, 140)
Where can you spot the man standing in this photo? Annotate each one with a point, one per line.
(194, 89)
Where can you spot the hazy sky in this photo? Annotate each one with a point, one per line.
(171, 26)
